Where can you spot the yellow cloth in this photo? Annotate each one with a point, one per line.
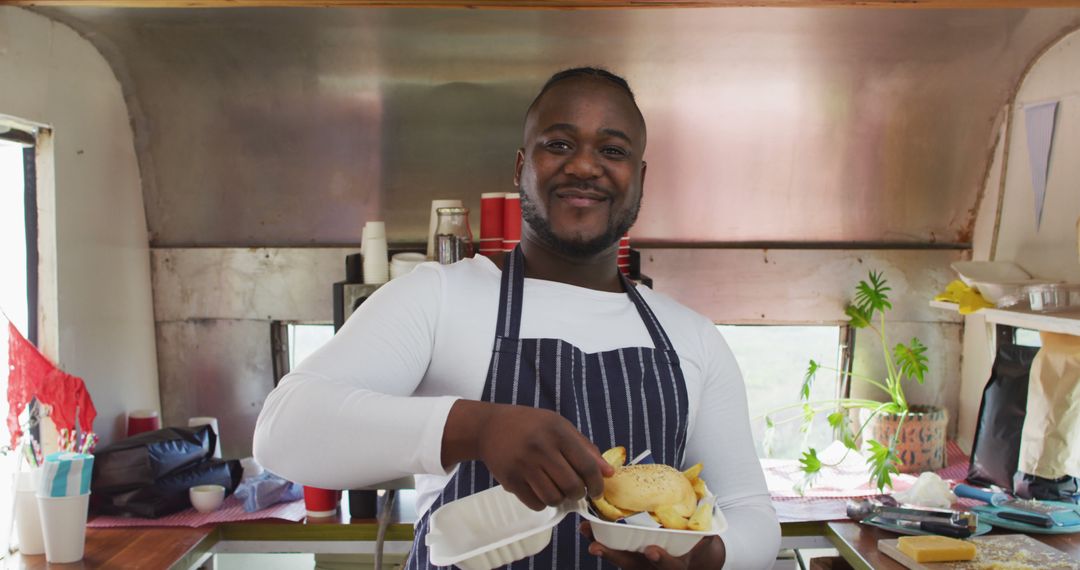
(969, 300)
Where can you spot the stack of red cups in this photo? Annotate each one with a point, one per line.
(491, 223)
(624, 254)
(511, 221)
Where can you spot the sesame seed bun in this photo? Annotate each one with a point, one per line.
(638, 488)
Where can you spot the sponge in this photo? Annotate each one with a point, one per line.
(935, 548)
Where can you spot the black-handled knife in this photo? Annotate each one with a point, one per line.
(1029, 518)
(945, 529)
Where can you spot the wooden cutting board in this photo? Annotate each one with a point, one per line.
(1004, 551)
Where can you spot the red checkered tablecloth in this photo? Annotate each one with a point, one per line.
(827, 499)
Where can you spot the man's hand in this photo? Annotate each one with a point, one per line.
(536, 454)
(709, 554)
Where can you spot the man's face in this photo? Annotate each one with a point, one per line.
(581, 171)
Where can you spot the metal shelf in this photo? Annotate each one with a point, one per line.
(1067, 322)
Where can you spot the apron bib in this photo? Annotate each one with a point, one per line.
(634, 397)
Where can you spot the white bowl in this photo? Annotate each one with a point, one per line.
(493, 528)
(206, 498)
(990, 272)
(636, 538)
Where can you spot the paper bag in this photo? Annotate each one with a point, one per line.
(1050, 443)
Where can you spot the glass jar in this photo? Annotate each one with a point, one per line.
(453, 238)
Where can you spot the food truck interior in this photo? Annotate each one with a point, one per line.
(182, 184)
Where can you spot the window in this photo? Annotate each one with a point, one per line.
(18, 287)
(773, 360)
(293, 342)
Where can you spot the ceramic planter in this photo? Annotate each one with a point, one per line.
(921, 444)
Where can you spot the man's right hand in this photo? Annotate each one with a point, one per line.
(536, 454)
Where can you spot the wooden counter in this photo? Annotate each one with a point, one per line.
(186, 548)
(858, 544)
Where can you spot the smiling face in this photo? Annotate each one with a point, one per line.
(581, 171)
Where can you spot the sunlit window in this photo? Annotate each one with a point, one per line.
(773, 360)
(305, 339)
(14, 302)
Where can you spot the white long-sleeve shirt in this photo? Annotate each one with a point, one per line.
(371, 404)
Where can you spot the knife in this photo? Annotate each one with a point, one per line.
(1029, 518)
(939, 528)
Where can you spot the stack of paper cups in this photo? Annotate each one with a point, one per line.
(63, 497)
(27, 517)
(491, 223)
(434, 222)
(511, 221)
(624, 255)
(373, 248)
(213, 423)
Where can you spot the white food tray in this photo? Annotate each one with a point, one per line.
(493, 528)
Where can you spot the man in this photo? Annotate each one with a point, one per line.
(518, 372)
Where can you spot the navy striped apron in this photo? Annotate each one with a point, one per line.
(634, 397)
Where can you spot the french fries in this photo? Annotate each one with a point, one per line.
(609, 511)
(702, 517)
(680, 515)
(693, 473)
(699, 488)
(669, 518)
(616, 456)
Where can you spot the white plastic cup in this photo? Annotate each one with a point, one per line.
(63, 527)
(213, 423)
(27, 516)
(434, 222)
(376, 263)
(403, 263)
(371, 230)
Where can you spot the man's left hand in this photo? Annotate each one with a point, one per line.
(709, 554)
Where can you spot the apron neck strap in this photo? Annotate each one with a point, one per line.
(513, 288)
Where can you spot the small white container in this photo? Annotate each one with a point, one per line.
(63, 527)
(27, 515)
(206, 498)
(493, 528)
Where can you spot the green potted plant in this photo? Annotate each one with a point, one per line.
(890, 446)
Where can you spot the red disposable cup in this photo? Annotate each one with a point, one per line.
(491, 216)
(512, 218)
(140, 421)
(624, 269)
(320, 502)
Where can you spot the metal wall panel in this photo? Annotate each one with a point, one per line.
(281, 127)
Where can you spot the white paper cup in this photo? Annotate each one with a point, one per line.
(403, 263)
(27, 517)
(213, 423)
(434, 221)
(376, 264)
(63, 526)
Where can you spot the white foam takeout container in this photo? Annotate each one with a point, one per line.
(493, 528)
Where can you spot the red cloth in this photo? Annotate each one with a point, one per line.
(31, 375)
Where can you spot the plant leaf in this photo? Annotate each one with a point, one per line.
(882, 462)
(859, 318)
(811, 468)
(808, 414)
(838, 421)
(770, 435)
(911, 359)
(808, 379)
(873, 296)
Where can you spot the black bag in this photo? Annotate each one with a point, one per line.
(1032, 487)
(141, 460)
(995, 453)
(169, 494)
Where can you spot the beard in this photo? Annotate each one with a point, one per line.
(617, 226)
